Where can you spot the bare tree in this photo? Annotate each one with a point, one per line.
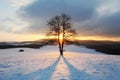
(60, 26)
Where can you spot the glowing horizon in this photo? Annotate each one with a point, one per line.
(33, 37)
(27, 19)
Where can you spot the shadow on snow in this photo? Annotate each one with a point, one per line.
(44, 74)
(76, 74)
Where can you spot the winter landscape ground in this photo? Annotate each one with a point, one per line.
(78, 63)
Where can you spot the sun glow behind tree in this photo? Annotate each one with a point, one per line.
(61, 38)
(60, 26)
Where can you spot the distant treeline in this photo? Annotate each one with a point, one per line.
(107, 47)
(27, 44)
(6, 46)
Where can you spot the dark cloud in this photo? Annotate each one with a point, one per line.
(83, 12)
(105, 26)
(78, 9)
(110, 25)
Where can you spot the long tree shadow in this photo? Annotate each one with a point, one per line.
(44, 74)
(76, 74)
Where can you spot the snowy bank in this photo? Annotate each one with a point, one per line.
(78, 63)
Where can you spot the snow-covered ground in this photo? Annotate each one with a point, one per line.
(78, 63)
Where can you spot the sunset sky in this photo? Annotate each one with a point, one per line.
(26, 20)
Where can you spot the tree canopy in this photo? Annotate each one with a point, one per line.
(61, 27)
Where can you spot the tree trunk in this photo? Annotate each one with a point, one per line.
(60, 46)
(63, 31)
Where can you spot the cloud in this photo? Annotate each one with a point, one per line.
(46, 8)
(108, 7)
(13, 25)
(90, 17)
(110, 25)
(20, 3)
(40, 11)
(9, 20)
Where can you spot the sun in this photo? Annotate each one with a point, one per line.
(61, 37)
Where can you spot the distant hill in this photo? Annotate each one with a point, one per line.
(107, 47)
